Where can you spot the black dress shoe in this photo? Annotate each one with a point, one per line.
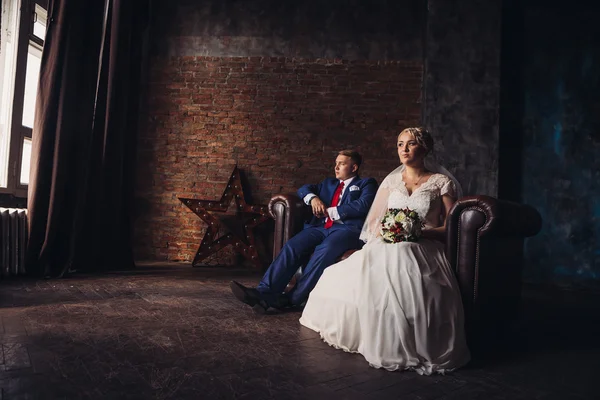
(282, 302)
(249, 296)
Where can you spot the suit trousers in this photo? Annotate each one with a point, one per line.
(325, 245)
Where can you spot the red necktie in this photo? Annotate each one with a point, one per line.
(334, 203)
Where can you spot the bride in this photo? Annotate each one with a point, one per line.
(398, 304)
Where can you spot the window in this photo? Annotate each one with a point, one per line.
(23, 30)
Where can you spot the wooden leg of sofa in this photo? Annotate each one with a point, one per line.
(293, 281)
(290, 285)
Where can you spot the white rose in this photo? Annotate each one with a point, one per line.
(408, 226)
(389, 222)
(400, 217)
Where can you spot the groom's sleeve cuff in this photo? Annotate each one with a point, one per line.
(308, 198)
(333, 213)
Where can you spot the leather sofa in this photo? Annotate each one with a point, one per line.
(484, 245)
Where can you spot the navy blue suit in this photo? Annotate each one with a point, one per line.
(325, 245)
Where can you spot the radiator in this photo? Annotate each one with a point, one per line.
(13, 241)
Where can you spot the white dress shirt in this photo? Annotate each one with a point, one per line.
(331, 211)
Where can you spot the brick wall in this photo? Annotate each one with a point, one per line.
(281, 120)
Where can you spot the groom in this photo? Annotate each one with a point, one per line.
(339, 206)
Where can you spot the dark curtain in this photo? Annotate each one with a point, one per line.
(83, 156)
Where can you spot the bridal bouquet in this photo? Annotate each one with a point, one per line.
(401, 225)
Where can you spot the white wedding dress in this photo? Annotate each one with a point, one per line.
(396, 304)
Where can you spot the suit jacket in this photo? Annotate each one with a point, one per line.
(354, 204)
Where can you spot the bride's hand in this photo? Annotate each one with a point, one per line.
(318, 207)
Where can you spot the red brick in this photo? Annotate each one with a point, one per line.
(268, 115)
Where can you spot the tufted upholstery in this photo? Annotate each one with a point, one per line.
(484, 245)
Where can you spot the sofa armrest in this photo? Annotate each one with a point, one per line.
(474, 217)
(484, 231)
(501, 216)
(289, 213)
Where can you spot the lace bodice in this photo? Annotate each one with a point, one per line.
(426, 200)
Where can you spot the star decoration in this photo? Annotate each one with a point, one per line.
(239, 226)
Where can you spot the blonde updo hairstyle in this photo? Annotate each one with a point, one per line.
(422, 136)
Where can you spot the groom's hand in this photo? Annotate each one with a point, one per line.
(318, 207)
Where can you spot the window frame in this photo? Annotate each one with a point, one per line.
(19, 132)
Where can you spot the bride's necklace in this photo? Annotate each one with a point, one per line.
(417, 182)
